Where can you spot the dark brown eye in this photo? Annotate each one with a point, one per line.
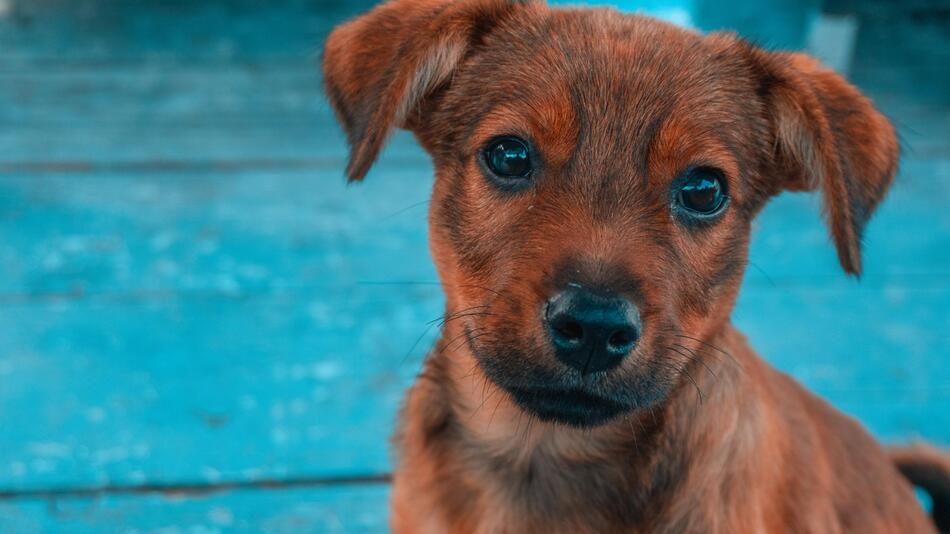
(702, 191)
(508, 157)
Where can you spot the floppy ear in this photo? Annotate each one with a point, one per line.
(829, 137)
(379, 67)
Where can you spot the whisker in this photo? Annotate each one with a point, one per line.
(403, 210)
(448, 344)
(635, 430)
(714, 347)
(457, 316)
(484, 399)
(461, 339)
(527, 431)
(497, 404)
(699, 391)
(483, 288)
(446, 317)
(763, 273)
(426, 331)
(470, 373)
(419, 339)
(695, 357)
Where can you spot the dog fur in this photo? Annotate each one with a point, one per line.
(616, 107)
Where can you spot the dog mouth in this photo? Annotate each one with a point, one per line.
(549, 396)
(573, 407)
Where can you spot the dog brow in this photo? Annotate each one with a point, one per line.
(650, 134)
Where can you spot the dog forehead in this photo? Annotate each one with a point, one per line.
(600, 50)
(615, 75)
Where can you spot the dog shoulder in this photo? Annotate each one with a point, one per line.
(856, 477)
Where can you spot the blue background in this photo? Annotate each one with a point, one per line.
(203, 329)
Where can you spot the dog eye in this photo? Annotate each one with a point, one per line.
(508, 157)
(702, 191)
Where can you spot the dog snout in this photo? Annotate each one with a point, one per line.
(591, 332)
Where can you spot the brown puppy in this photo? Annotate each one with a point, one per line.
(596, 178)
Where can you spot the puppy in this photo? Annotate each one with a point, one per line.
(596, 178)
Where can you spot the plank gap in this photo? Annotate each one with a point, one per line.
(196, 488)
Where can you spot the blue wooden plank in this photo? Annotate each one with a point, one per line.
(204, 389)
(236, 232)
(908, 238)
(335, 510)
(200, 295)
(81, 144)
(240, 94)
(224, 231)
(124, 392)
(194, 31)
(167, 111)
(208, 325)
(877, 353)
(158, 95)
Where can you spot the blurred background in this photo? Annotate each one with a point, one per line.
(203, 329)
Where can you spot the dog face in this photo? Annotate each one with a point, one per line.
(596, 177)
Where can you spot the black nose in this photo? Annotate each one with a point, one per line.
(591, 332)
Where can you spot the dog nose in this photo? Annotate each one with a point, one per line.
(591, 332)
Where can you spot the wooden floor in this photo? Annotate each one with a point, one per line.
(204, 329)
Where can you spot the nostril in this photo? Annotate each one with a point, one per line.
(622, 340)
(569, 331)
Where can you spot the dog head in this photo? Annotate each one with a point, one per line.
(596, 178)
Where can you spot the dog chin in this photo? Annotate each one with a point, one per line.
(572, 407)
(546, 395)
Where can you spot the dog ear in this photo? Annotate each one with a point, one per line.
(378, 68)
(828, 137)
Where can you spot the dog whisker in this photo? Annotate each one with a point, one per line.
(634, 431)
(714, 347)
(485, 399)
(465, 312)
(425, 332)
(403, 210)
(698, 390)
(682, 370)
(497, 404)
(464, 337)
(471, 372)
(692, 356)
(416, 343)
(443, 322)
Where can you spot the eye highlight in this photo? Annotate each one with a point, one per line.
(509, 159)
(701, 192)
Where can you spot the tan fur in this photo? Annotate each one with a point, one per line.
(617, 107)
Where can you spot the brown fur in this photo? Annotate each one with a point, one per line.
(616, 106)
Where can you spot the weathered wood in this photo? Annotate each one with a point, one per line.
(202, 389)
(187, 326)
(237, 232)
(36, 32)
(190, 295)
(221, 231)
(106, 391)
(345, 509)
(170, 110)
